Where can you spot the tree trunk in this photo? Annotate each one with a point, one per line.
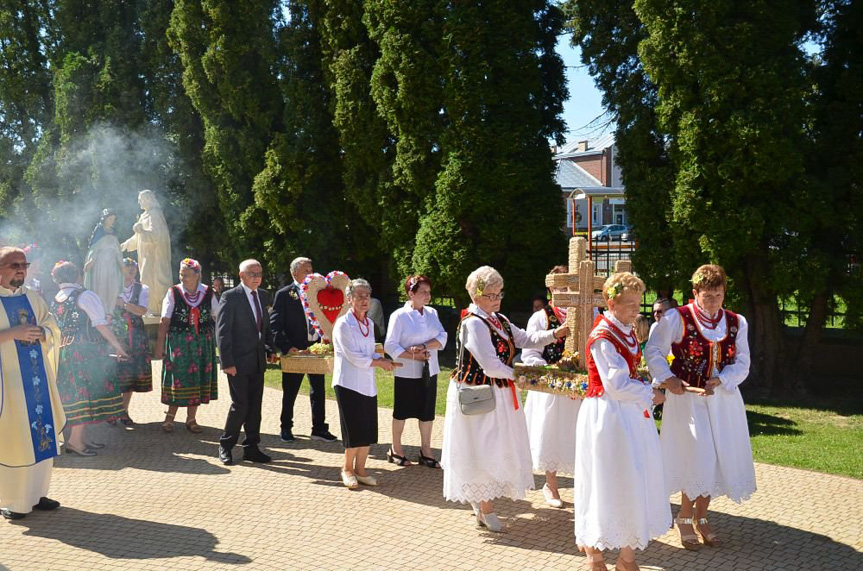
(766, 342)
(800, 366)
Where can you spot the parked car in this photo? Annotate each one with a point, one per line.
(627, 236)
(610, 232)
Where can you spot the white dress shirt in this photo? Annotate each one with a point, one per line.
(88, 301)
(410, 327)
(669, 330)
(477, 339)
(259, 310)
(168, 302)
(537, 322)
(354, 353)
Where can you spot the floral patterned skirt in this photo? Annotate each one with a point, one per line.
(136, 374)
(86, 382)
(189, 373)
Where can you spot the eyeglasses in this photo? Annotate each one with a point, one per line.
(492, 296)
(18, 265)
(255, 274)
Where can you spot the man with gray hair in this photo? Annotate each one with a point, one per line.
(244, 337)
(293, 332)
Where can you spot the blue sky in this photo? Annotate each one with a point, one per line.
(585, 100)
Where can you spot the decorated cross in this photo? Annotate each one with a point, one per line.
(583, 294)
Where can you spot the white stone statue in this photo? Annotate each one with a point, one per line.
(153, 243)
(103, 268)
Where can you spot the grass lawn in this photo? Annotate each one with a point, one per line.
(825, 436)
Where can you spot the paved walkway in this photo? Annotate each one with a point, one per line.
(160, 501)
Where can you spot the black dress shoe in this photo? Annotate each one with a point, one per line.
(46, 504)
(324, 435)
(9, 514)
(287, 435)
(255, 455)
(225, 456)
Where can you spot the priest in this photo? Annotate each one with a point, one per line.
(31, 415)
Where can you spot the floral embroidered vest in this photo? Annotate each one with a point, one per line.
(594, 382)
(552, 353)
(470, 371)
(75, 325)
(124, 321)
(696, 358)
(192, 319)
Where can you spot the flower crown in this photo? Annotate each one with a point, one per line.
(59, 263)
(699, 279)
(191, 264)
(480, 286)
(412, 283)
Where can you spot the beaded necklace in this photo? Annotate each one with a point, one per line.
(495, 321)
(628, 339)
(360, 324)
(191, 299)
(705, 320)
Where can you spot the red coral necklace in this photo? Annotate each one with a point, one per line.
(705, 320)
(360, 324)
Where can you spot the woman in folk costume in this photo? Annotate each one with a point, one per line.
(550, 418)
(136, 373)
(620, 499)
(705, 439)
(187, 345)
(86, 371)
(487, 456)
(103, 269)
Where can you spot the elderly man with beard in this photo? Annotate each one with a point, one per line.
(31, 415)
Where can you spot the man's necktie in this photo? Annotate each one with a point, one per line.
(258, 319)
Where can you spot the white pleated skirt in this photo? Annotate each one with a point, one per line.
(705, 445)
(485, 456)
(619, 491)
(551, 430)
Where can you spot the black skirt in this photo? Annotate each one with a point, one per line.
(414, 398)
(359, 417)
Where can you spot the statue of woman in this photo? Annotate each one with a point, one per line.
(103, 268)
(153, 243)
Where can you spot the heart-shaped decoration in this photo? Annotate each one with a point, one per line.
(324, 300)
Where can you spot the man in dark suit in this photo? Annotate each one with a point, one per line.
(292, 332)
(243, 334)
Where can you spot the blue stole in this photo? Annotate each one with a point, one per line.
(34, 379)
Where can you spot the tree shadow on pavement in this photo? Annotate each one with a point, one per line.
(125, 538)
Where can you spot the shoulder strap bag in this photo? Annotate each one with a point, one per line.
(472, 399)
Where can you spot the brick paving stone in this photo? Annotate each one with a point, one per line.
(152, 500)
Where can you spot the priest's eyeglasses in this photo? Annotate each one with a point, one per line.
(18, 265)
(493, 296)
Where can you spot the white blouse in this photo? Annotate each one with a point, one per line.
(354, 353)
(477, 339)
(537, 322)
(669, 330)
(143, 298)
(88, 301)
(410, 327)
(168, 302)
(614, 370)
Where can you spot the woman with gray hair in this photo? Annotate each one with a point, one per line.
(354, 382)
(487, 456)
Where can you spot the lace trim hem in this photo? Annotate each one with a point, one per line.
(486, 492)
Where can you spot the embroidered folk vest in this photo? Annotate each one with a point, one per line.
(552, 353)
(75, 325)
(594, 382)
(470, 371)
(192, 319)
(695, 358)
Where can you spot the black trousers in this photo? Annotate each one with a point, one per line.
(247, 392)
(291, 387)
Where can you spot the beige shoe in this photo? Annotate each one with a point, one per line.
(367, 480)
(550, 499)
(688, 540)
(350, 481)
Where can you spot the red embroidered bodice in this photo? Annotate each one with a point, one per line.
(695, 357)
(594, 382)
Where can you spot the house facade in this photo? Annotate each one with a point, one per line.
(591, 183)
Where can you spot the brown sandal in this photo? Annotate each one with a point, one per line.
(689, 540)
(709, 539)
(168, 425)
(193, 426)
